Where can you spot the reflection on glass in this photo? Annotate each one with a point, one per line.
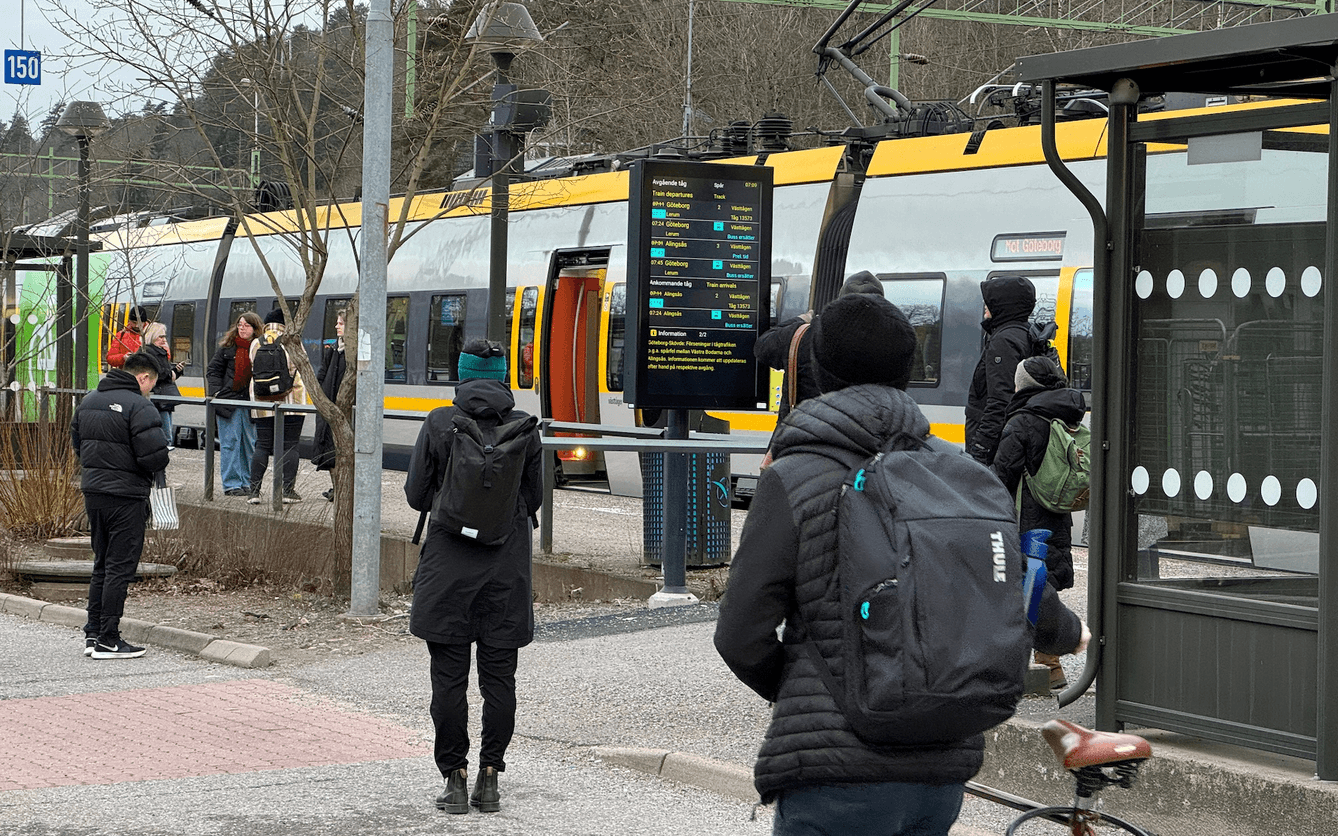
(617, 336)
(1079, 365)
(921, 299)
(529, 306)
(445, 337)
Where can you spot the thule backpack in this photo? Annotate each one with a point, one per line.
(1062, 482)
(269, 370)
(478, 495)
(935, 637)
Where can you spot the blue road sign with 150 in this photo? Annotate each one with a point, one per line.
(23, 66)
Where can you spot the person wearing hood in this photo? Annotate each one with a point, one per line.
(1009, 301)
(823, 777)
(273, 328)
(1042, 395)
(466, 593)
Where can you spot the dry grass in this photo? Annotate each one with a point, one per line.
(39, 481)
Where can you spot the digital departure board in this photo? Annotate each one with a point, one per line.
(698, 282)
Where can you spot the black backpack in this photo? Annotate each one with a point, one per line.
(1041, 345)
(478, 494)
(269, 370)
(935, 638)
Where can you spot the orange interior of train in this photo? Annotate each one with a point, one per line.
(573, 346)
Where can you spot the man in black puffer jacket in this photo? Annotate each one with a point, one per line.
(1008, 341)
(119, 440)
(824, 778)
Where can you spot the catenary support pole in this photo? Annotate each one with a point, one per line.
(81, 271)
(365, 578)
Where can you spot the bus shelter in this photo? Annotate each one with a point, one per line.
(1215, 386)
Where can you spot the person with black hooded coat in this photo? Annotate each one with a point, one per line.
(466, 593)
(1009, 301)
(823, 777)
(330, 377)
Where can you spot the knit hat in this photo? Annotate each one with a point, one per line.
(481, 358)
(139, 313)
(275, 315)
(1038, 373)
(862, 338)
(862, 282)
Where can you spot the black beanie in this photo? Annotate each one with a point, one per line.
(275, 315)
(862, 338)
(862, 282)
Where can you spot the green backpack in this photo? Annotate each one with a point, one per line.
(1063, 481)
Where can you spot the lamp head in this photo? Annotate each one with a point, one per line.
(504, 28)
(83, 119)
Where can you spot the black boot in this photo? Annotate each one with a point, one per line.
(486, 797)
(453, 798)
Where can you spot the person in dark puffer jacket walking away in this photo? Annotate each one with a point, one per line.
(467, 594)
(822, 776)
(119, 441)
(1009, 301)
(1043, 394)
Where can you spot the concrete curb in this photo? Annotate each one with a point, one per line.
(204, 645)
(720, 777)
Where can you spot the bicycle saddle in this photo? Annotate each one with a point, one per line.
(1077, 747)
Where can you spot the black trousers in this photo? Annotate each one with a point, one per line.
(292, 434)
(450, 706)
(118, 541)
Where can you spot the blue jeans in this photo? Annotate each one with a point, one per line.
(888, 809)
(236, 444)
(167, 426)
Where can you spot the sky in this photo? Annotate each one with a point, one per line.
(62, 79)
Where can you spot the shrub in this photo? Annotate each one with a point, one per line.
(39, 480)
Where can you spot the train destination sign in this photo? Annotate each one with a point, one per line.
(699, 270)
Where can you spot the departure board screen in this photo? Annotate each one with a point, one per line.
(698, 275)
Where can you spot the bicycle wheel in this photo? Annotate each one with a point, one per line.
(1041, 822)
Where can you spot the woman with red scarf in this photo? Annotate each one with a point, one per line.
(229, 377)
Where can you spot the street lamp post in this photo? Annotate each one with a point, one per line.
(83, 121)
(503, 29)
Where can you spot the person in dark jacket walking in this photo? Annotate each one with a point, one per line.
(824, 778)
(119, 442)
(469, 594)
(330, 377)
(156, 348)
(1043, 394)
(229, 378)
(1009, 301)
(773, 347)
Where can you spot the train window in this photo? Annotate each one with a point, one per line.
(617, 335)
(529, 307)
(794, 300)
(445, 337)
(510, 312)
(333, 308)
(777, 288)
(183, 331)
(1079, 365)
(1047, 292)
(921, 299)
(397, 335)
(236, 309)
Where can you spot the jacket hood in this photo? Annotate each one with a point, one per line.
(118, 379)
(1009, 298)
(483, 396)
(1063, 403)
(858, 418)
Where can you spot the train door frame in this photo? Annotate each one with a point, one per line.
(588, 308)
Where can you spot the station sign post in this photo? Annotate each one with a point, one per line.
(698, 297)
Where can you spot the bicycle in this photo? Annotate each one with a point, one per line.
(1096, 760)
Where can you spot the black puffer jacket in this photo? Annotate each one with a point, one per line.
(1008, 341)
(464, 592)
(167, 376)
(1021, 449)
(118, 437)
(773, 348)
(784, 570)
(330, 376)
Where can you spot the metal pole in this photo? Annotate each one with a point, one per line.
(687, 99)
(1326, 755)
(501, 199)
(255, 136)
(674, 560)
(365, 576)
(81, 272)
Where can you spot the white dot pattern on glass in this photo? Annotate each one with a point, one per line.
(1311, 281)
(1175, 284)
(1270, 487)
(1208, 283)
(1275, 282)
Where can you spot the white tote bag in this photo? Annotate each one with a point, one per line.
(163, 504)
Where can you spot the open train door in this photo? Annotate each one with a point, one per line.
(569, 351)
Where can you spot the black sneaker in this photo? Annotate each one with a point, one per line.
(253, 497)
(290, 496)
(119, 649)
(329, 495)
(236, 492)
(89, 644)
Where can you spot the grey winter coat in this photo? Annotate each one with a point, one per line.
(464, 592)
(783, 572)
